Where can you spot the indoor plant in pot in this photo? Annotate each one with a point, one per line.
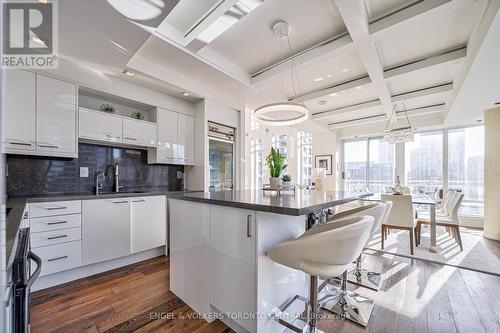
(287, 181)
(276, 164)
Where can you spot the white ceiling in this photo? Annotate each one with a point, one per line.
(370, 53)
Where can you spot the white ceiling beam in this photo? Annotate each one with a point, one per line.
(355, 18)
(328, 48)
(336, 111)
(405, 14)
(422, 92)
(437, 59)
(436, 108)
(334, 89)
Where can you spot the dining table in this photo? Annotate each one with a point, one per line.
(417, 199)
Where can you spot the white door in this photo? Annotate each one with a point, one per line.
(167, 135)
(97, 125)
(233, 262)
(148, 223)
(19, 110)
(56, 107)
(139, 132)
(185, 138)
(105, 229)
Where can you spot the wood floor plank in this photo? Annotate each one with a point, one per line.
(415, 296)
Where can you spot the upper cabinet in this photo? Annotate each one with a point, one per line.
(19, 110)
(139, 132)
(175, 139)
(40, 113)
(56, 120)
(100, 126)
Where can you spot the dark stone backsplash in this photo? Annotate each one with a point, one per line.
(33, 175)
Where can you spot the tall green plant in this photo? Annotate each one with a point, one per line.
(275, 162)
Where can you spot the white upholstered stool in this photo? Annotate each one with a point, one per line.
(326, 251)
(379, 211)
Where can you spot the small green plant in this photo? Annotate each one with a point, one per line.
(286, 178)
(275, 162)
(107, 108)
(137, 115)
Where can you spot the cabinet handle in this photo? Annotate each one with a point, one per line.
(111, 136)
(47, 145)
(57, 222)
(55, 208)
(57, 237)
(20, 143)
(249, 225)
(57, 258)
(129, 138)
(117, 202)
(142, 200)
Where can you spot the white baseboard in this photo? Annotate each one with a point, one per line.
(497, 238)
(80, 272)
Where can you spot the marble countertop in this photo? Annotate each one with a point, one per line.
(302, 203)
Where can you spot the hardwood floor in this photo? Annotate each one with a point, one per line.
(415, 296)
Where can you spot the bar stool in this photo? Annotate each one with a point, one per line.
(379, 211)
(326, 251)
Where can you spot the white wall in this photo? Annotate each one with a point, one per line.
(326, 144)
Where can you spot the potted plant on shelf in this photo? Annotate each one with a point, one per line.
(276, 164)
(287, 181)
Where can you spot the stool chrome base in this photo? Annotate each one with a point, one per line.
(362, 277)
(297, 325)
(351, 306)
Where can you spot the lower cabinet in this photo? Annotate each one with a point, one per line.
(105, 229)
(148, 227)
(233, 286)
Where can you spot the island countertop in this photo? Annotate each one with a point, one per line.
(302, 203)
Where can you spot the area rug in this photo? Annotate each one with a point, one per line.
(479, 254)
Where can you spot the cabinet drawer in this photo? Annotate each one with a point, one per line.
(55, 208)
(53, 237)
(60, 257)
(41, 224)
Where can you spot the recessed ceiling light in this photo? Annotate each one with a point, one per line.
(359, 87)
(333, 94)
(185, 93)
(128, 73)
(345, 70)
(328, 75)
(318, 79)
(43, 1)
(322, 102)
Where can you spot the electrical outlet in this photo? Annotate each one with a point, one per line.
(84, 172)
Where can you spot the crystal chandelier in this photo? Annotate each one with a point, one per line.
(285, 112)
(398, 134)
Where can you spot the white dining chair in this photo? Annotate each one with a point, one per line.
(448, 218)
(401, 217)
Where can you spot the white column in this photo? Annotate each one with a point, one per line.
(492, 173)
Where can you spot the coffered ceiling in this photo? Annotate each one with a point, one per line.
(354, 58)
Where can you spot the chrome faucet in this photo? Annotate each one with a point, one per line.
(117, 186)
(98, 186)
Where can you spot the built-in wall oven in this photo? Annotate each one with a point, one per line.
(22, 279)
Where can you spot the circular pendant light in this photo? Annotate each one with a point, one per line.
(286, 112)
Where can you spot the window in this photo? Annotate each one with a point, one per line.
(355, 157)
(305, 157)
(424, 163)
(257, 154)
(280, 143)
(466, 167)
(382, 165)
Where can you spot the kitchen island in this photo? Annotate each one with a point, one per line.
(218, 245)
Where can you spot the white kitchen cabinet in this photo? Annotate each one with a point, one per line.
(166, 150)
(189, 253)
(148, 222)
(105, 229)
(185, 139)
(56, 117)
(100, 126)
(139, 132)
(19, 110)
(233, 262)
